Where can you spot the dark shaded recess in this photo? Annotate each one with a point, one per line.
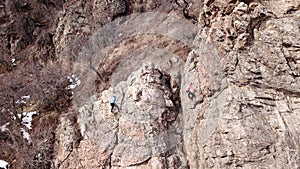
(255, 23)
(209, 2)
(126, 11)
(45, 44)
(19, 6)
(248, 1)
(233, 1)
(292, 10)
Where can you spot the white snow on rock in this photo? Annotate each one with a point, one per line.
(74, 82)
(26, 135)
(24, 99)
(4, 127)
(13, 61)
(3, 164)
(26, 121)
(27, 118)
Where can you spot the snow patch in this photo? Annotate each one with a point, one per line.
(13, 61)
(27, 118)
(74, 81)
(4, 127)
(26, 121)
(3, 164)
(26, 135)
(23, 100)
(25, 97)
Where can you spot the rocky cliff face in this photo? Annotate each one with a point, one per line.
(247, 81)
(199, 84)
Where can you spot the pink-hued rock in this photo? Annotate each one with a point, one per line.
(232, 102)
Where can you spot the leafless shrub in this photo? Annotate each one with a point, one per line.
(47, 87)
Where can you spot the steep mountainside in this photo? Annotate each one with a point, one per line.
(199, 84)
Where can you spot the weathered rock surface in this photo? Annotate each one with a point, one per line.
(245, 73)
(234, 104)
(148, 108)
(199, 84)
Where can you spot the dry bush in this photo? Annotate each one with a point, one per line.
(43, 136)
(26, 34)
(47, 89)
(26, 30)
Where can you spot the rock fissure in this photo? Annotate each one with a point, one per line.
(292, 72)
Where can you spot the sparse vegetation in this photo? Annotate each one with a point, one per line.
(31, 79)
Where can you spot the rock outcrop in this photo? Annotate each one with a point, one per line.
(144, 132)
(245, 73)
(199, 84)
(231, 103)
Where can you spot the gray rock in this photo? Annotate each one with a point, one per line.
(234, 104)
